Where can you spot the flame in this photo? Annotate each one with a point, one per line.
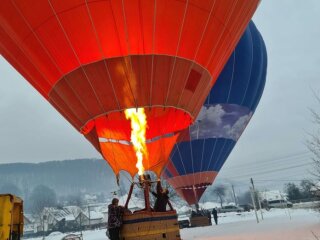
(138, 134)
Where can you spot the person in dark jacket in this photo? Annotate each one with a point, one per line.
(115, 213)
(162, 199)
(215, 215)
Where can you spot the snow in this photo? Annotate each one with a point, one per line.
(278, 224)
(209, 205)
(95, 215)
(69, 217)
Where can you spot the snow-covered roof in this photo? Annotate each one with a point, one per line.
(60, 214)
(72, 208)
(316, 188)
(29, 217)
(69, 217)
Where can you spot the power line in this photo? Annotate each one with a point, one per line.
(271, 171)
(279, 180)
(274, 169)
(266, 162)
(256, 168)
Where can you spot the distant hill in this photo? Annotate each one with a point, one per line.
(64, 177)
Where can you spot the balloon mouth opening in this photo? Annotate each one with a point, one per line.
(113, 134)
(162, 121)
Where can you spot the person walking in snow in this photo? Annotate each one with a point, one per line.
(115, 213)
(215, 215)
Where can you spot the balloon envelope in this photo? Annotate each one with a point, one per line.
(204, 147)
(93, 59)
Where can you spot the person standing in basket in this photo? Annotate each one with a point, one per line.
(162, 199)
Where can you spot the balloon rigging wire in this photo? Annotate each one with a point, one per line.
(78, 60)
(102, 54)
(129, 56)
(176, 53)
(198, 47)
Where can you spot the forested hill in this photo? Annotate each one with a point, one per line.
(64, 177)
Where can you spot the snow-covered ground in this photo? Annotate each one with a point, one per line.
(278, 224)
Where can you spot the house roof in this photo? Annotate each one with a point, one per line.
(59, 214)
(29, 217)
(316, 188)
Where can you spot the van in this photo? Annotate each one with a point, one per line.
(279, 203)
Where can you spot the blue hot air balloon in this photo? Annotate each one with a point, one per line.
(203, 148)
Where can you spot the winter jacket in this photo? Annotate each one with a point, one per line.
(162, 199)
(114, 216)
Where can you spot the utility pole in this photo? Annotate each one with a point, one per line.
(89, 216)
(254, 204)
(234, 196)
(284, 205)
(258, 198)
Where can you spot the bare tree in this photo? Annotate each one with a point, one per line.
(293, 192)
(41, 197)
(246, 198)
(313, 143)
(220, 192)
(306, 188)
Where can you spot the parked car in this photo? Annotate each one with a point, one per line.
(247, 207)
(225, 209)
(184, 223)
(73, 237)
(280, 203)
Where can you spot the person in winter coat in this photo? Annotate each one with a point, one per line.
(215, 215)
(115, 213)
(162, 199)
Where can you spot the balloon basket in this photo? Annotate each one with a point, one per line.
(200, 221)
(146, 224)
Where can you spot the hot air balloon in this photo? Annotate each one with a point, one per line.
(203, 148)
(95, 60)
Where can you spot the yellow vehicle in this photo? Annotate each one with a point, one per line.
(11, 217)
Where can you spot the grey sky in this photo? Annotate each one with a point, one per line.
(32, 130)
(282, 120)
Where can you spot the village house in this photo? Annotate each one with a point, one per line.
(90, 220)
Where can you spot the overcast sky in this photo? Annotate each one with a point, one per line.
(33, 131)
